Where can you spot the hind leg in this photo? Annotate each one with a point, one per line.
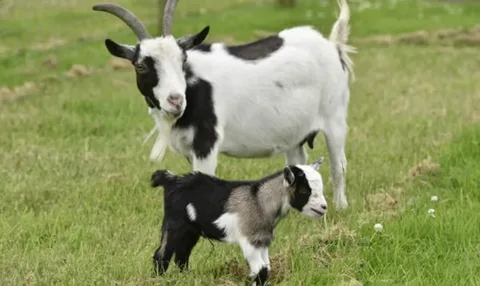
(163, 254)
(296, 156)
(335, 135)
(185, 244)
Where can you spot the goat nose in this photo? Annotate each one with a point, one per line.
(175, 100)
(323, 207)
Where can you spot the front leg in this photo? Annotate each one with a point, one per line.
(206, 165)
(265, 258)
(205, 151)
(258, 268)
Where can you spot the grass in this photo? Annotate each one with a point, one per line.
(76, 207)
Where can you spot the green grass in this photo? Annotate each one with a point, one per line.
(76, 206)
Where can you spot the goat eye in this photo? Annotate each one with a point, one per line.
(141, 68)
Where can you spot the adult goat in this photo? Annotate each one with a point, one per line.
(258, 99)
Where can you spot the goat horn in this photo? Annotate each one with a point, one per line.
(168, 16)
(126, 16)
(317, 164)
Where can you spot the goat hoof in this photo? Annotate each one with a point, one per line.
(261, 278)
(341, 204)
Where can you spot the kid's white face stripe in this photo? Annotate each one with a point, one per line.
(317, 199)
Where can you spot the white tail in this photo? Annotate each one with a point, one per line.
(339, 35)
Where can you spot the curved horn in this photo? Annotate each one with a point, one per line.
(126, 16)
(168, 16)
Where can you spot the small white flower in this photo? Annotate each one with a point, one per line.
(431, 212)
(434, 198)
(378, 227)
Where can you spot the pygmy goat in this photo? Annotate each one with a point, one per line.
(258, 99)
(241, 212)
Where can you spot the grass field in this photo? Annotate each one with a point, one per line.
(76, 207)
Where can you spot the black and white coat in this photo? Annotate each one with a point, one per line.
(240, 212)
(259, 99)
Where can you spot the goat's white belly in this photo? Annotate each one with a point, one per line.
(240, 146)
(263, 129)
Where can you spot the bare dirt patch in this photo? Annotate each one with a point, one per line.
(49, 44)
(10, 94)
(426, 166)
(383, 201)
(51, 61)
(78, 71)
(449, 37)
(119, 64)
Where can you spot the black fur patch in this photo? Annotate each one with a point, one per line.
(200, 114)
(183, 248)
(203, 47)
(256, 50)
(302, 189)
(310, 139)
(148, 80)
(262, 276)
(344, 65)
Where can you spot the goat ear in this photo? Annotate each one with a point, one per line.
(191, 41)
(120, 50)
(288, 176)
(317, 164)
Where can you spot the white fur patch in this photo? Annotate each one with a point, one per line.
(164, 127)
(192, 213)
(229, 223)
(317, 199)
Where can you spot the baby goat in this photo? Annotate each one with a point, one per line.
(242, 212)
(252, 100)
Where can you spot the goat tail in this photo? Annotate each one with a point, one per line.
(341, 30)
(339, 35)
(161, 178)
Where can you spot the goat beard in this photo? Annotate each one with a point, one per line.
(164, 127)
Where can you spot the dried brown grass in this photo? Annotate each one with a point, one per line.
(449, 37)
(78, 70)
(17, 92)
